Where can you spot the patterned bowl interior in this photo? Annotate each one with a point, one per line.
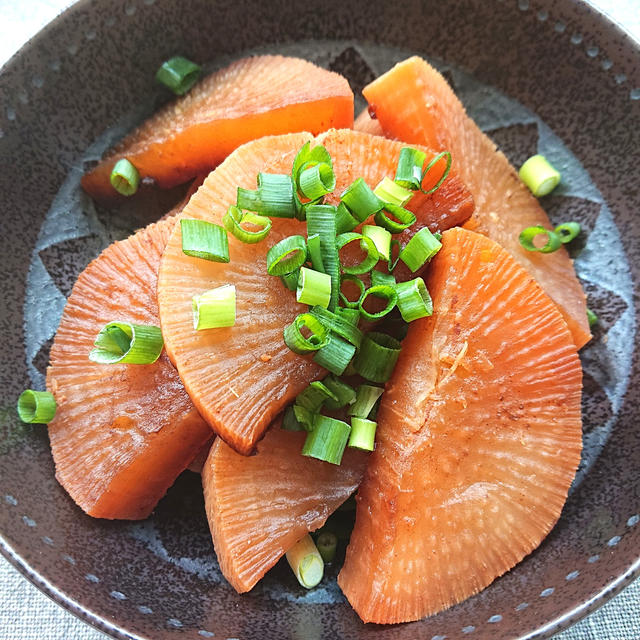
(552, 77)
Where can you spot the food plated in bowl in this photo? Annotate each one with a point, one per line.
(153, 536)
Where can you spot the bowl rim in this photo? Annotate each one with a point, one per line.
(564, 620)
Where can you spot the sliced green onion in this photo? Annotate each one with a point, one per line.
(314, 288)
(366, 398)
(344, 220)
(352, 304)
(286, 256)
(377, 356)
(124, 177)
(363, 434)
(352, 316)
(345, 394)
(306, 562)
(274, 196)
(360, 200)
(421, 248)
(290, 422)
(339, 324)
(316, 180)
(403, 218)
(127, 343)
(539, 175)
(314, 397)
(528, 235)
(414, 300)
(202, 239)
(432, 163)
(297, 342)
(178, 74)
(309, 156)
(378, 278)
(394, 261)
(409, 170)
(327, 544)
(381, 238)
(321, 220)
(567, 231)
(383, 291)
(592, 318)
(390, 192)
(366, 244)
(304, 417)
(335, 355)
(314, 252)
(234, 218)
(290, 280)
(36, 407)
(215, 308)
(328, 439)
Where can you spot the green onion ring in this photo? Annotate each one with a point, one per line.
(127, 343)
(528, 235)
(379, 291)
(366, 244)
(286, 256)
(567, 231)
(297, 342)
(431, 164)
(234, 218)
(377, 356)
(403, 218)
(355, 303)
(36, 407)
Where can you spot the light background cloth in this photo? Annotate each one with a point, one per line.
(27, 614)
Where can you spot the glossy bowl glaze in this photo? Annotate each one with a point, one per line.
(539, 75)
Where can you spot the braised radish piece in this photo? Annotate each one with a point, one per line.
(242, 376)
(122, 432)
(414, 103)
(479, 437)
(252, 97)
(259, 506)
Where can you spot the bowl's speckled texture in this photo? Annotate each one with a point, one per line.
(87, 71)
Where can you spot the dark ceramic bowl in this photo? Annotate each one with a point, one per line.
(539, 74)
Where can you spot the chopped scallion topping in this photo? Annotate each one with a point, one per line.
(321, 221)
(304, 417)
(433, 163)
(335, 355)
(127, 343)
(529, 234)
(124, 177)
(421, 248)
(378, 278)
(414, 300)
(366, 398)
(381, 238)
(234, 218)
(592, 318)
(360, 200)
(344, 220)
(383, 291)
(299, 343)
(366, 244)
(314, 397)
(202, 239)
(539, 175)
(363, 434)
(36, 407)
(390, 192)
(377, 356)
(290, 422)
(274, 196)
(567, 231)
(352, 304)
(316, 180)
(290, 280)
(286, 256)
(345, 394)
(178, 74)
(306, 562)
(215, 308)
(402, 218)
(314, 288)
(327, 542)
(409, 170)
(328, 439)
(338, 323)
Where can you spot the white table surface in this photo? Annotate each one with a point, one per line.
(27, 614)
